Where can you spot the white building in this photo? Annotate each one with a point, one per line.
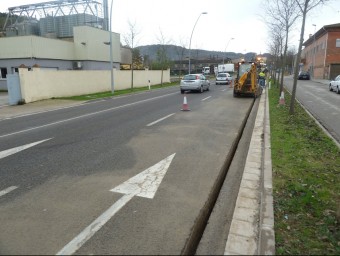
(62, 40)
(89, 50)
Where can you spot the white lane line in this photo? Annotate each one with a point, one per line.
(223, 90)
(206, 98)
(161, 119)
(86, 115)
(12, 151)
(7, 190)
(88, 232)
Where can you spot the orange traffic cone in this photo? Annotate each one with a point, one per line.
(231, 83)
(282, 98)
(185, 104)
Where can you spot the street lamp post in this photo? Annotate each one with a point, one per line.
(313, 51)
(226, 48)
(191, 38)
(111, 54)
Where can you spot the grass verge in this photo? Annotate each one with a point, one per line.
(107, 94)
(306, 182)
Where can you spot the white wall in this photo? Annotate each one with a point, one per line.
(40, 84)
(88, 45)
(34, 46)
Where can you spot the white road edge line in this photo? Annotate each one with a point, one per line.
(206, 98)
(7, 190)
(90, 114)
(159, 120)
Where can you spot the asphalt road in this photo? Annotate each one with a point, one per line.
(320, 102)
(59, 189)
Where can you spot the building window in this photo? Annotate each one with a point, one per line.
(337, 43)
(3, 72)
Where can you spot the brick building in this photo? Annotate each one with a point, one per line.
(321, 53)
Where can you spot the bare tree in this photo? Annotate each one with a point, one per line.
(130, 40)
(290, 57)
(304, 7)
(276, 46)
(283, 15)
(162, 52)
(180, 51)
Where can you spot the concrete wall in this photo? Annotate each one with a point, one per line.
(40, 84)
(11, 64)
(35, 47)
(93, 44)
(88, 44)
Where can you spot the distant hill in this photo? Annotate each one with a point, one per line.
(175, 52)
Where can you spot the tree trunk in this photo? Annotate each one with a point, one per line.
(298, 59)
(284, 61)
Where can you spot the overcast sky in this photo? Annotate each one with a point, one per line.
(175, 20)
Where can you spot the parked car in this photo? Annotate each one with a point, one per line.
(334, 85)
(303, 75)
(194, 82)
(223, 78)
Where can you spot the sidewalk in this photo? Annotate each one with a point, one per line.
(321, 81)
(3, 99)
(252, 226)
(7, 111)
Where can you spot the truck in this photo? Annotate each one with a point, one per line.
(225, 68)
(246, 83)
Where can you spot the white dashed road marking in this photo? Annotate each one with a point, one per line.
(7, 190)
(161, 119)
(12, 151)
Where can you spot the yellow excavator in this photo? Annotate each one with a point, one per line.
(246, 83)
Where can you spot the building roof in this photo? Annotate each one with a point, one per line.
(325, 29)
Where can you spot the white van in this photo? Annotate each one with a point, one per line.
(206, 70)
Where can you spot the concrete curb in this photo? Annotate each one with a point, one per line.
(267, 234)
(252, 227)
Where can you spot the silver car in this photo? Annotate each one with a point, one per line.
(194, 82)
(223, 78)
(334, 85)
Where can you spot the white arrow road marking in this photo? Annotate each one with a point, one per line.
(7, 190)
(12, 151)
(144, 184)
